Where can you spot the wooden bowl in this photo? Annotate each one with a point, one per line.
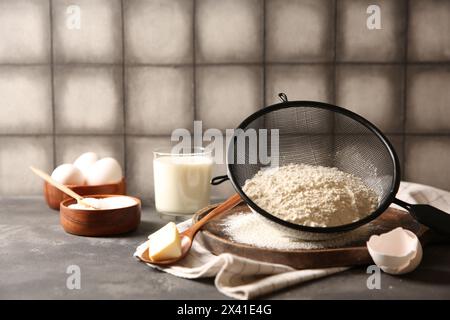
(97, 223)
(54, 196)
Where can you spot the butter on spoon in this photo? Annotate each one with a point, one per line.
(172, 246)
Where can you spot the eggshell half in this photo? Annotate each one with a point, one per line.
(104, 171)
(396, 252)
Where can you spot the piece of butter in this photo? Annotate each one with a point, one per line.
(165, 244)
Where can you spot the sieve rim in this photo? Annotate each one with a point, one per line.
(330, 107)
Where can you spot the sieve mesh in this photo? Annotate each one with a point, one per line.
(316, 133)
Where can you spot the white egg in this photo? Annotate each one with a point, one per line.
(85, 161)
(396, 252)
(104, 171)
(68, 174)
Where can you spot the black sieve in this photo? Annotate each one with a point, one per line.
(322, 134)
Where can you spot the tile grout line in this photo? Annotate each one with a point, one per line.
(405, 79)
(52, 85)
(335, 53)
(124, 91)
(144, 135)
(264, 53)
(207, 64)
(194, 62)
(333, 97)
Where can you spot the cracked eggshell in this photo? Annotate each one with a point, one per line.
(396, 252)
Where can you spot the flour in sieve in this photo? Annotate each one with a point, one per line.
(313, 196)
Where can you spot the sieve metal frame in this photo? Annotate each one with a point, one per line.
(330, 107)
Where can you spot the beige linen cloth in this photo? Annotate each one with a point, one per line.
(242, 278)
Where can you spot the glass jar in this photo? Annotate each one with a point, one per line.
(182, 180)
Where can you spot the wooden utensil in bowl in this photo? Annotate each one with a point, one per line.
(92, 222)
(54, 196)
(98, 223)
(61, 187)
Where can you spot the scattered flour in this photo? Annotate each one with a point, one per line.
(313, 196)
(253, 229)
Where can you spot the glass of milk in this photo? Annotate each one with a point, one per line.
(182, 180)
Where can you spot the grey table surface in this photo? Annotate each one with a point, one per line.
(35, 253)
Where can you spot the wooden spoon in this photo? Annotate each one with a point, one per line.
(63, 188)
(187, 236)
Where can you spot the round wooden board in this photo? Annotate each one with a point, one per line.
(215, 239)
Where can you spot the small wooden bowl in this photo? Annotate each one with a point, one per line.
(97, 223)
(54, 196)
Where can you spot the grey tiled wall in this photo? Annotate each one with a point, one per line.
(137, 69)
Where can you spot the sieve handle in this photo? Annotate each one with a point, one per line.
(219, 179)
(430, 216)
(283, 97)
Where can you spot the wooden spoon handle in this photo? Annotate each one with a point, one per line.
(229, 204)
(56, 184)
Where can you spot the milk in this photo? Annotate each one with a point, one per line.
(182, 183)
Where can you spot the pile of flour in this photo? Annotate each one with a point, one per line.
(253, 229)
(313, 196)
